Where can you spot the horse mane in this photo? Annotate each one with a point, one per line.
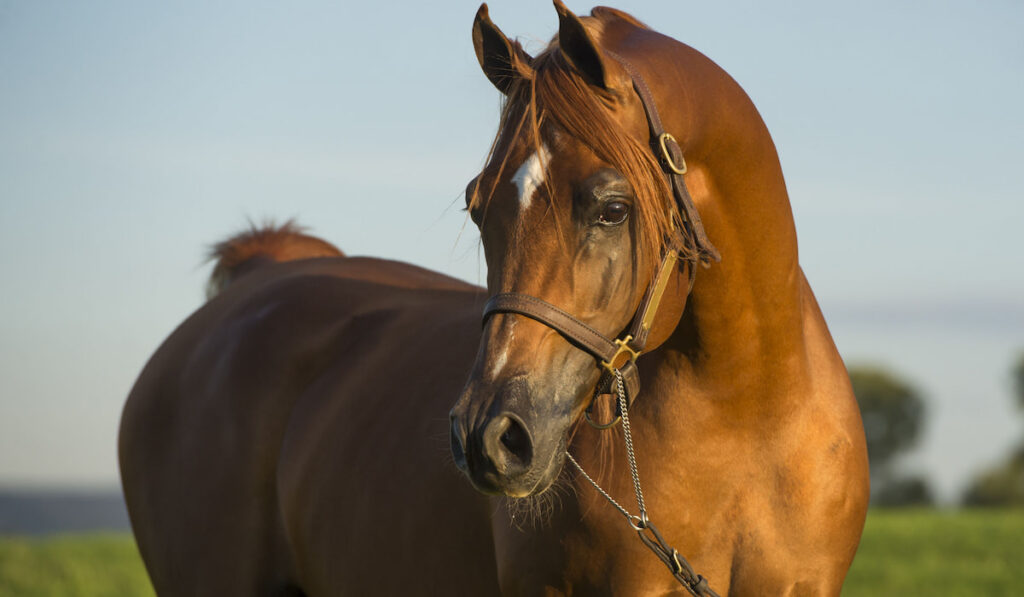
(549, 89)
(259, 245)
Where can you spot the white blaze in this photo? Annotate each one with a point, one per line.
(499, 363)
(530, 175)
(527, 178)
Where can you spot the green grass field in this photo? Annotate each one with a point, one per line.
(91, 565)
(917, 552)
(924, 552)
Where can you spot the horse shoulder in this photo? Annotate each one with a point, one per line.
(820, 472)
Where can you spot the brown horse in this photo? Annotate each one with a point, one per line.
(291, 436)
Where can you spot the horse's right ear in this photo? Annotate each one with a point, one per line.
(500, 59)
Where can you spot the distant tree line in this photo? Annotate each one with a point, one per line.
(894, 414)
(1003, 484)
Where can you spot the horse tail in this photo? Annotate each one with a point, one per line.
(261, 245)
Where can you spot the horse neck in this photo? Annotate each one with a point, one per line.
(741, 335)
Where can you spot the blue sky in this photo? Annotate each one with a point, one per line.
(134, 134)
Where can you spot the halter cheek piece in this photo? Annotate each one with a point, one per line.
(620, 355)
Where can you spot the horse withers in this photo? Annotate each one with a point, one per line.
(296, 435)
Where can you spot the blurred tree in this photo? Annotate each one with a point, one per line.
(1018, 380)
(892, 410)
(1002, 485)
(893, 413)
(999, 486)
(904, 491)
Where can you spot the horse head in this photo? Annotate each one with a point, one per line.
(574, 209)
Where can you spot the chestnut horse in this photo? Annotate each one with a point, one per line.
(292, 436)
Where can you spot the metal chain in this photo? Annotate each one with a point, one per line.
(649, 534)
(630, 454)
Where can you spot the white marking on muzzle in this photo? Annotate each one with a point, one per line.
(499, 363)
(530, 175)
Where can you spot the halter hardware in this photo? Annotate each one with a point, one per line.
(614, 364)
(667, 155)
(588, 416)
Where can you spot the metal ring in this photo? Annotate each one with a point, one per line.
(668, 155)
(602, 426)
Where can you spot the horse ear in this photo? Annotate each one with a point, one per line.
(582, 52)
(498, 57)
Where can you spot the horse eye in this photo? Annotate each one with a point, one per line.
(613, 213)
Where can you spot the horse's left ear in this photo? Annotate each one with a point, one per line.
(582, 52)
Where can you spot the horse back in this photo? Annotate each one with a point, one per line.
(278, 418)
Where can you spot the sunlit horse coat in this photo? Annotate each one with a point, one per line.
(292, 436)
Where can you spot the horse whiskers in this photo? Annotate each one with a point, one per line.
(536, 510)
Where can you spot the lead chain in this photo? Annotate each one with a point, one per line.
(681, 569)
(637, 522)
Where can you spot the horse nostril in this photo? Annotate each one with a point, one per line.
(507, 445)
(517, 441)
(458, 446)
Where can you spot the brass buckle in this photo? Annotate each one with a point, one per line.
(668, 155)
(609, 366)
(623, 344)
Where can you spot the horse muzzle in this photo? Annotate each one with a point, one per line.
(501, 448)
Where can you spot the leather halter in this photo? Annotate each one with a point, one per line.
(621, 354)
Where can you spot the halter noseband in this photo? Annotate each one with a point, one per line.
(620, 355)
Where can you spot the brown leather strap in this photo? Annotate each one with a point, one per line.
(581, 335)
(630, 376)
(645, 313)
(575, 331)
(706, 252)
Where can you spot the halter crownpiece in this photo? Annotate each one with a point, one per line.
(670, 155)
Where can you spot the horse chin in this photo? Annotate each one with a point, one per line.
(515, 489)
(535, 509)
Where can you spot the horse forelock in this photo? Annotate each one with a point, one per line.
(549, 96)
